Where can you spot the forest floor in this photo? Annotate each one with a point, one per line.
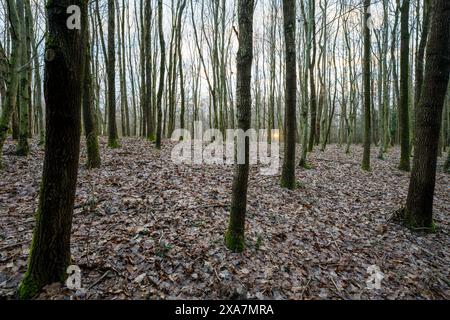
(145, 228)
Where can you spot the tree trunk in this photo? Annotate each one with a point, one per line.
(420, 61)
(23, 148)
(313, 95)
(90, 125)
(447, 162)
(288, 179)
(404, 87)
(13, 83)
(113, 139)
(124, 68)
(366, 76)
(419, 205)
(180, 68)
(234, 238)
(162, 69)
(38, 91)
(65, 55)
(304, 108)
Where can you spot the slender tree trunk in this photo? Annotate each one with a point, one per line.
(304, 108)
(23, 148)
(132, 80)
(180, 68)
(4, 65)
(420, 61)
(149, 83)
(38, 91)
(90, 125)
(13, 81)
(404, 87)
(162, 69)
(288, 179)
(273, 43)
(65, 54)
(143, 67)
(122, 74)
(124, 68)
(385, 120)
(366, 76)
(419, 204)
(395, 89)
(313, 95)
(235, 238)
(113, 139)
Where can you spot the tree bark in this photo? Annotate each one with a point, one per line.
(235, 238)
(90, 124)
(38, 91)
(419, 204)
(23, 148)
(13, 83)
(366, 77)
(404, 87)
(162, 69)
(313, 95)
(65, 55)
(180, 68)
(288, 179)
(420, 61)
(113, 139)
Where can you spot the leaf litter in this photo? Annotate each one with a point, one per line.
(145, 228)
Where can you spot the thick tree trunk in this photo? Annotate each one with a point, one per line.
(419, 205)
(65, 55)
(234, 238)
(288, 179)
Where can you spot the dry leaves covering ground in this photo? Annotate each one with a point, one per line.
(145, 228)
